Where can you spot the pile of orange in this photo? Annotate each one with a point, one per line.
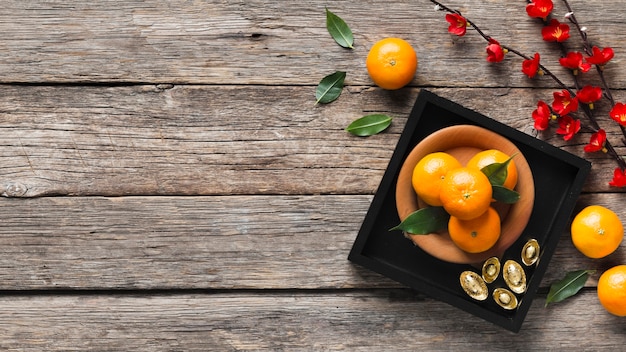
(465, 192)
(596, 232)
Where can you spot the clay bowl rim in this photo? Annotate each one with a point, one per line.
(455, 138)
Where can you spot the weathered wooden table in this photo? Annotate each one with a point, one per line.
(170, 185)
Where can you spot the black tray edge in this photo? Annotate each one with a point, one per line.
(386, 185)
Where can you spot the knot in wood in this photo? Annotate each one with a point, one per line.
(15, 189)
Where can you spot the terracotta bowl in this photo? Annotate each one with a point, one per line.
(463, 141)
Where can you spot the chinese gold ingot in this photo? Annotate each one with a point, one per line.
(474, 285)
(530, 252)
(491, 269)
(514, 276)
(505, 298)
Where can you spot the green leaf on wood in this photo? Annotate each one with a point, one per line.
(369, 125)
(424, 221)
(568, 286)
(330, 87)
(504, 195)
(339, 30)
(497, 172)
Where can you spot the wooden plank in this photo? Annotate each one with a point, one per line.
(261, 42)
(351, 321)
(192, 140)
(182, 242)
(234, 242)
(168, 184)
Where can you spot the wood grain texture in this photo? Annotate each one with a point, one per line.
(168, 183)
(261, 42)
(198, 140)
(350, 321)
(221, 242)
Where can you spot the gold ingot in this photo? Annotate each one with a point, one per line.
(530, 252)
(491, 269)
(505, 298)
(514, 276)
(474, 285)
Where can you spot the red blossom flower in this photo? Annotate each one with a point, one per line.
(574, 61)
(588, 94)
(458, 24)
(539, 8)
(555, 31)
(495, 53)
(568, 127)
(619, 178)
(596, 142)
(600, 57)
(618, 113)
(531, 67)
(563, 103)
(542, 116)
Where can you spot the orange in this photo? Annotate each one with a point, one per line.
(465, 193)
(491, 156)
(597, 231)
(612, 290)
(429, 174)
(475, 235)
(391, 63)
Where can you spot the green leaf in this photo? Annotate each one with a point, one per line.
(339, 30)
(330, 87)
(568, 286)
(369, 125)
(504, 195)
(497, 172)
(424, 221)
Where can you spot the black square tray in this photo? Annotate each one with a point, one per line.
(558, 177)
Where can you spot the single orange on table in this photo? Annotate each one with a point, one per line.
(476, 235)
(491, 156)
(429, 173)
(612, 290)
(466, 193)
(391, 63)
(596, 231)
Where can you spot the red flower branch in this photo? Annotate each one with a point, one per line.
(598, 57)
(597, 141)
(531, 67)
(539, 9)
(555, 31)
(568, 101)
(574, 61)
(458, 24)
